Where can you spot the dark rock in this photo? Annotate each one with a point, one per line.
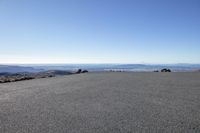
(85, 71)
(165, 70)
(79, 71)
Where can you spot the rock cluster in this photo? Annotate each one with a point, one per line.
(165, 70)
(80, 71)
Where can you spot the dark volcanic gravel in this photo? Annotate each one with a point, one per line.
(103, 103)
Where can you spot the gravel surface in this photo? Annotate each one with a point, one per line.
(103, 103)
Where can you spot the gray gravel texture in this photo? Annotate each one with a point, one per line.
(110, 102)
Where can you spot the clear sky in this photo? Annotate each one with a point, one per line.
(99, 31)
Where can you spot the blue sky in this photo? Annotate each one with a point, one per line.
(99, 31)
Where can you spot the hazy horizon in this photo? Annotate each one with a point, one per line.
(99, 32)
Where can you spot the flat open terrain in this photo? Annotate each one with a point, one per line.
(102, 103)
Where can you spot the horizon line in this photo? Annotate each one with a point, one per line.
(99, 63)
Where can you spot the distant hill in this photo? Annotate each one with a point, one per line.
(58, 72)
(99, 67)
(17, 69)
(146, 67)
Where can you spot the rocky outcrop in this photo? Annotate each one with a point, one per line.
(80, 71)
(85, 71)
(165, 70)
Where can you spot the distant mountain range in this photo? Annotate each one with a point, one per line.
(18, 69)
(146, 67)
(123, 67)
(98, 67)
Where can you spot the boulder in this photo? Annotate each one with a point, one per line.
(165, 70)
(85, 71)
(79, 71)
